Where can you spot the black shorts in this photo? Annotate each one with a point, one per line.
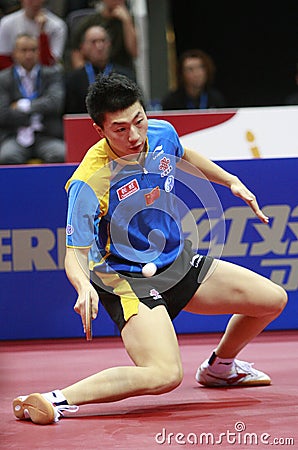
(173, 286)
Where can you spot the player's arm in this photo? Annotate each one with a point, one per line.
(77, 271)
(216, 174)
(82, 208)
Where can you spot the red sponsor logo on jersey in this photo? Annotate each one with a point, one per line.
(128, 189)
(152, 196)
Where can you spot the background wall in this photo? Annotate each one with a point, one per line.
(254, 45)
(36, 299)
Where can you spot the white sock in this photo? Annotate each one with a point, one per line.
(55, 397)
(220, 365)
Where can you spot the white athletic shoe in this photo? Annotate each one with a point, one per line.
(241, 373)
(39, 410)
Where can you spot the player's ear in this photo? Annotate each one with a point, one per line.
(98, 130)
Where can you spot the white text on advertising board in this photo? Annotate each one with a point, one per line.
(273, 246)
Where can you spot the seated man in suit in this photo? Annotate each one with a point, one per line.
(95, 47)
(31, 106)
(33, 18)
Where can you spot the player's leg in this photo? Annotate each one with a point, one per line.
(150, 341)
(253, 300)
(231, 289)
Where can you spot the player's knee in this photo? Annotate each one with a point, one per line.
(169, 378)
(280, 300)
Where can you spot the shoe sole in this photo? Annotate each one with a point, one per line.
(251, 383)
(39, 409)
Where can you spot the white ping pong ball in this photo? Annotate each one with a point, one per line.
(149, 270)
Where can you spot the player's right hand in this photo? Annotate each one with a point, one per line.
(80, 305)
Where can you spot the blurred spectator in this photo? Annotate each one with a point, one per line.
(32, 18)
(115, 17)
(64, 7)
(75, 5)
(9, 6)
(292, 98)
(95, 48)
(195, 76)
(31, 103)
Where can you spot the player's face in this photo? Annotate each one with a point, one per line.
(126, 130)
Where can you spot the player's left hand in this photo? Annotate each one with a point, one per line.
(240, 190)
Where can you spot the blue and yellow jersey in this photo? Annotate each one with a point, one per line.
(126, 212)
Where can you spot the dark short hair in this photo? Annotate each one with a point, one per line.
(111, 93)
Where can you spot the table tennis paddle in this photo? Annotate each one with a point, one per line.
(88, 312)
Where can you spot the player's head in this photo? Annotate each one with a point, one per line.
(109, 94)
(115, 103)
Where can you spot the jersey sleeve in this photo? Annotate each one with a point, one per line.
(180, 148)
(175, 140)
(82, 215)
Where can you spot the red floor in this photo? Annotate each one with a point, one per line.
(247, 418)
